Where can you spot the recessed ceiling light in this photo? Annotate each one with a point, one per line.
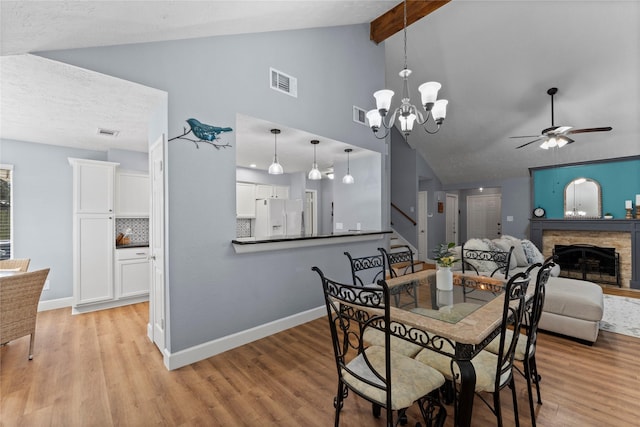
(253, 165)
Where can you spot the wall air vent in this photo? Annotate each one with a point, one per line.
(283, 83)
(108, 132)
(359, 116)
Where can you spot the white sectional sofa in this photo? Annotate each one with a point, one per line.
(572, 307)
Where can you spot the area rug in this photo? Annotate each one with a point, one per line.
(621, 315)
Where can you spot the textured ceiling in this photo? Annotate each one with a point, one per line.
(495, 60)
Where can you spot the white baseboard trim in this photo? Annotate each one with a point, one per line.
(54, 304)
(202, 351)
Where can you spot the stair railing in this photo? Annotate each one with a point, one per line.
(404, 214)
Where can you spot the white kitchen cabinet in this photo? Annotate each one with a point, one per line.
(93, 231)
(93, 258)
(93, 186)
(94, 238)
(132, 277)
(132, 194)
(281, 192)
(264, 191)
(245, 200)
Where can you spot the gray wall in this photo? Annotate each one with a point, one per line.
(42, 208)
(516, 202)
(410, 173)
(213, 292)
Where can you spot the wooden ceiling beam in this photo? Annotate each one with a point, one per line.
(392, 21)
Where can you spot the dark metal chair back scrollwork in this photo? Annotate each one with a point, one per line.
(365, 270)
(403, 259)
(363, 369)
(501, 258)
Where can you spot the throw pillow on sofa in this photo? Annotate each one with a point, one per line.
(518, 251)
(532, 252)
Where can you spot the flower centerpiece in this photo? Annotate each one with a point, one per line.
(443, 255)
(445, 259)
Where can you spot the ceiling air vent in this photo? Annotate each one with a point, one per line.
(359, 115)
(108, 132)
(283, 82)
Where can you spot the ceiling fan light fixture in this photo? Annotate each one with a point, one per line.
(562, 141)
(545, 145)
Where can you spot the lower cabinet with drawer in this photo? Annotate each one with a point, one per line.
(132, 272)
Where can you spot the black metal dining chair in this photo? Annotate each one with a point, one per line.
(526, 347)
(400, 263)
(384, 377)
(494, 372)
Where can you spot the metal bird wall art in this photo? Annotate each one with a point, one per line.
(205, 133)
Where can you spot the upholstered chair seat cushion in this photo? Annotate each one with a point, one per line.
(485, 364)
(521, 346)
(411, 379)
(398, 345)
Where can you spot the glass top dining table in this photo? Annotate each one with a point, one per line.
(468, 317)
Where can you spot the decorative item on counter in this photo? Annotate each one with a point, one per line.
(608, 215)
(204, 133)
(637, 206)
(629, 208)
(445, 260)
(124, 238)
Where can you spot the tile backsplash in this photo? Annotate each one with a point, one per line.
(139, 228)
(243, 227)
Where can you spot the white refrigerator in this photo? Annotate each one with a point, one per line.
(278, 217)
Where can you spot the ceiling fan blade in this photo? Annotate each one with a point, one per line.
(604, 129)
(530, 142)
(526, 136)
(562, 129)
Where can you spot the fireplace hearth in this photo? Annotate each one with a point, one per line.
(588, 262)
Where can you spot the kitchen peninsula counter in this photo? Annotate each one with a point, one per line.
(252, 244)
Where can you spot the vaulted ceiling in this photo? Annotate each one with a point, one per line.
(495, 60)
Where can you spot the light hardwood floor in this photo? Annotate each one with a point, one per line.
(99, 369)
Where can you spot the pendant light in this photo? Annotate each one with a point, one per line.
(314, 173)
(348, 179)
(275, 168)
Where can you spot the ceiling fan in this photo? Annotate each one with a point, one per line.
(556, 136)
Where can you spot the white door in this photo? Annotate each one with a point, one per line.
(483, 216)
(422, 226)
(310, 212)
(451, 212)
(156, 245)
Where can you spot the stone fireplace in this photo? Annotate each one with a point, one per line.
(623, 235)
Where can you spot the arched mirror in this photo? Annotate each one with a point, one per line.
(583, 199)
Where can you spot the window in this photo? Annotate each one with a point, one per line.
(6, 172)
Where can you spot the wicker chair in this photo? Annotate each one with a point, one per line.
(19, 296)
(21, 265)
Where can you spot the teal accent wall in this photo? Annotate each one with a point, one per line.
(619, 181)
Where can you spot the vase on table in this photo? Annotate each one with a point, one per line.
(444, 278)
